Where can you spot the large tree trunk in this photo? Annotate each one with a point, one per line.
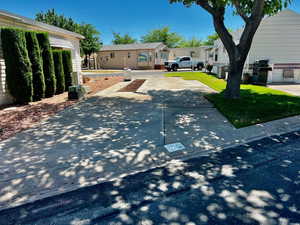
(234, 79)
(237, 52)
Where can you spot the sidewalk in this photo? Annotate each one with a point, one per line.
(115, 134)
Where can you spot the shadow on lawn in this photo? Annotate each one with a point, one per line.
(103, 138)
(254, 107)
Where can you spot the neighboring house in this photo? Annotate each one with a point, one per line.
(59, 38)
(199, 53)
(133, 56)
(278, 40)
(218, 56)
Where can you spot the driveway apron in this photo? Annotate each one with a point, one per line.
(114, 134)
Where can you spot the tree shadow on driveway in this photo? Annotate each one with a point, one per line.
(257, 183)
(98, 140)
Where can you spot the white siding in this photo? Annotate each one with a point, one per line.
(5, 97)
(278, 39)
(61, 42)
(71, 44)
(76, 59)
(198, 52)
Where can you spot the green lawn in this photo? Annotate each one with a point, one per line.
(257, 104)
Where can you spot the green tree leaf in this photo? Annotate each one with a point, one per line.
(125, 39)
(163, 35)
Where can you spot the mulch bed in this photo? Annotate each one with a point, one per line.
(100, 83)
(133, 86)
(16, 118)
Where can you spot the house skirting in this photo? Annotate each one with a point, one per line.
(281, 72)
(285, 73)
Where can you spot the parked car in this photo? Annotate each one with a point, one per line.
(183, 63)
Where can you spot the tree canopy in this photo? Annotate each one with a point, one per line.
(52, 18)
(89, 45)
(193, 42)
(244, 8)
(122, 39)
(170, 39)
(252, 12)
(211, 39)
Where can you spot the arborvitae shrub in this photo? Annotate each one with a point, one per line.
(59, 71)
(48, 64)
(67, 64)
(18, 67)
(35, 57)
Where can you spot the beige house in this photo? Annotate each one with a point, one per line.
(133, 56)
(199, 53)
(59, 38)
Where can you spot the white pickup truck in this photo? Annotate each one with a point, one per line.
(183, 63)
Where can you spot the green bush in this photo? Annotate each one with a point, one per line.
(59, 71)
(18, 66)
(48, 64)
(67, 64)
(35, 57)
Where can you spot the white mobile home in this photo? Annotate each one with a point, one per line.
(278, 40)
(199, 53)
(59, 38)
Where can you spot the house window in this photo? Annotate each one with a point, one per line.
(288, 74)
(143, 57)
(164, 55)
(216, 57)
(112, 55)
(156, 55)
(129, 55)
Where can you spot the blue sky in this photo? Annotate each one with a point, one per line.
(135, 17)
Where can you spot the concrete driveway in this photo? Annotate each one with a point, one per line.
(293, 89)
(115, 134)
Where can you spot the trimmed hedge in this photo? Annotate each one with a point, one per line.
(48, 64)
(38, 80)
(59, 71)
(68, 69)
(18, 66)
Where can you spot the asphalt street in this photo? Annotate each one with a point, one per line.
(255, 183)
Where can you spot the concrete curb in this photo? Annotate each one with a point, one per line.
(54, 204)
